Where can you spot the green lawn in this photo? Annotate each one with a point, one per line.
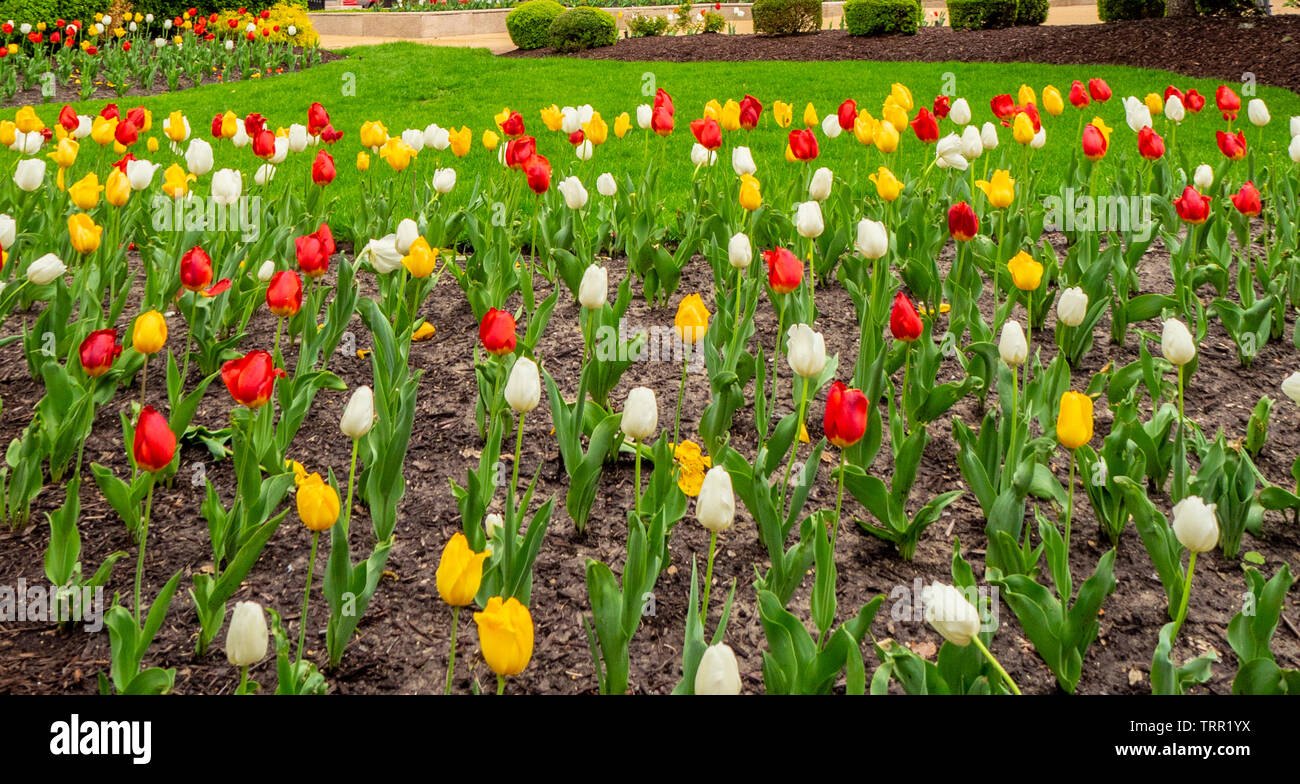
(409, 86)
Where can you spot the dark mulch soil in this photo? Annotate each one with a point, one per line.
(401, 646)
(1209, 48)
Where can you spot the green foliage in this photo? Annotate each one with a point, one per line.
(714, 22)
(529, 24)
(1032, 12)
(981, 14)
(582, 28)
(880, 17)
(786, 17)
(1228, 8)
(647, 26)
(1122, 10)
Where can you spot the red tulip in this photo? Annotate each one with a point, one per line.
(1227, 101)
(98, 351)
(126, 133)
(513, 127)
(322, 169)
(664, 101)
(329, 135)
(121, 163)
(661, 121)
(109, 112)
(538, 172)
(803, 143)
(196, 269)
(846, 415)
(1078, 96)
(1031, 109)
(264, 144)
(750, 112)
(284, 294)
(519, 150)
(1004, 108)
(707, 132)
(904, 322)
(1099, 90)
(576, 137)
(68, 118)
(1247, 201)
(1094, 142)
(216, 127)
(313, 252)
(251, 378)
(1174, 91)
(941, 106)
(847, 114)
(1194, 101)
(925, 126)
(784, 270)
(963, 224)
(155, 443)
(317, 119)
(497, 331)
(1150, 145)
(1233, 147)
(1192, 207)
(254, 124)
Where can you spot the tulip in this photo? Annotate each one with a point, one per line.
(1176, 343)
(284, 294)
(492, 525)
(845, 420)
(98, 352)
(644, 116)
(497, 332)
(1095, 142)
(1192, 207)
(1099, 90)
(1204, 177)
(831, 126)
(740, 253)
(575, 195)
(46, 269)
(1196, 526)
(707, 133)
(1247, 200)
(421, 260)
(1150, 145)
(606, 185)
(819, 188)
(196, 270)
(1136, 114)
(885, 136)
(1293, 149)
(149, 334)
(640, 414)
(155, 443)
(318, 508)
(951, 614)
(8, 232)
(963, 224)
(313, 251)
(1291, 387)
(460, 570)
(989, 136)
(1074, 421)
(84, 233)
(872, 239)
(537, 170)
(251, 378)
(593, 291)
(1022, 129)
(1295, 126)
(176, 183)
(718, 672)
(266, 271)
(806, 351)
(1227, 102)
(85, 192)
(926, 127)
(888, 187)
(1232, 147)
(784, 270)
(692, 319)
(1072, 307)
(1174, 109)
(1052, 101)
(505, 632)
(140, 174)
(524, 387)
(246, 640)
(1000, 190)
(751, 195)
(1026, 272)
(803, 145)
(1012, 346)
(359, 414)
(1154, 103)
(959, 112)
(808, 219)
(198, 157)
(972, 146)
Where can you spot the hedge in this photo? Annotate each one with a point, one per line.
(582, 28)
(880, 17)
(529, 24)
(981, 14)
(786, 17)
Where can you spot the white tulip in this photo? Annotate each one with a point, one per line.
(198, 157)
(806, 351)
(524, 387)
(140, 174)
(8, 231)
(808, 219)
(593, 291)
(383, 254)
(948, 153)
(1176, 343)
(584, 151)
(819, 187)
(86, 124)
(873, 239)
(640, 414)
(46, 269)
(1196, 524)
(226, 187)
(575, 195)
(241, 138)
(264, 174)
(951, 614)
(492, 524)
(716, 506)
(972, 146)
(702, 156)
(570, 121)
(359, 415)
(1174, 109)
(247, 638)
(740, 253)
(1011, 345)
(959, 112)
(643, 114)
(742, 161)
(29, 174)
(831, 126)
(1291, 387)
(444, 180)
(27, 143)
(1040, 139)
(1257, 111)
(1204, 177)
(281, 151)
(1294, 149)
(408, 231)
(297, 137)
(266, 271)
(1072, 307)
(1136, 114)
(989, 136)
(1295, 126)
(434, 136)
(606, 185)
(718, 672)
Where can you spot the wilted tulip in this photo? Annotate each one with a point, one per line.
(718, 671)
(524, 387)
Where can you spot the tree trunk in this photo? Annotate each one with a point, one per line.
(1180, 8)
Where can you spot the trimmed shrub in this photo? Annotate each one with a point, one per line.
(1033, 12)
(714, 22)
(981, 14)
(1122, 10)
(879, 17)
(786, 17)
(583, 27)
(647, 26)
(529, 24)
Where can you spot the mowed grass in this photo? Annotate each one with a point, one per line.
(408, 85)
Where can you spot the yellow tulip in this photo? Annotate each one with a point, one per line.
(895, 114)
(460, 570)
(1026, 95)
(149, 334)
(810, 118)
(117, 189)
(887, 185)
(622, 124)
(8, 132)
(783, 113)
(751, 193)
(1026, 272)
(885, 136)
(692, 464)
(318, 503)
(1001, 190)
(85, 192)
(147, 124)
(1155, 104)
(85, 234)
(692, 319)
(373, 134)
(1103, 127)
(1052, 101)
(1074, 422)
(229, 125)
(151, 144)
(864, 127)
(176, 126)
(420, 259)
(900, 95)
(490, 140)
(1022, 130)
(502, 116)
(596, 130)
(27, 121)
(461, 141)
(102, 130)
(396, 153)
(552, 118)
(730, 118)
(176, 182)
(65, 154)
(789, 155)
(363, 160)
(505, 633)
(713, 109)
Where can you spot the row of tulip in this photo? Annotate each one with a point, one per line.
(879, 237)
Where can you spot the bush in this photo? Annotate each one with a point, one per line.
(1228, 8)
(582, 28)
(714, 22)
(786, 17)
(1034, 12)
(1122, 10)
(30, 11)
(647, 26)
(981, 14)
(879, 17)
(529, 24)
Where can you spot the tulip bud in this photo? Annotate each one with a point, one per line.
(407, 232)
(8, 232)
(359, 415)
(266, 271)
(739, 251)
(702, 156)
(989, 136)
(584, 151)
(831, 126)
(593, 291)
(318, 504)
(524, 387)
(1204, 177)
(1176, 343)
(606, 185)
(505, 635)
(1291, 387)
(951, 614)
(297, 137)
(1011, 345)
(1174, 109)
(460, 571)
(1196, 524)
(247, 638)
(820, 186)
(492, 523)
(1072, 307)
(873, 239)
(575, 195)
(643, 114)
(29, 174)
(640, 414)
(46, 269)
(808, 219)
(444, 180)
(806, 351)
(742, 161)
(972, 146)
(198, 157)
(718, 672)
(1257, 111)
(715, 507)
(226, 186)
(959, 112)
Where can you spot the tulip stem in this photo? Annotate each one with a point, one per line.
(708, 578)
(1187, 594)
(794, 447)
(681, 394)
(279, 328)
(144, 540)
(144, 379)
(776, 362)
(839, 502)
(514, 478)
(451, 660)
(996, 664)
(636, 483)
(306, 595)
(243, 680)
(352, 475)
(189, 333)
(501, 684)
(1069, 510)
(902, 397)
(740, 282)
(1015, 422)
